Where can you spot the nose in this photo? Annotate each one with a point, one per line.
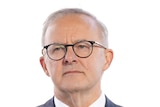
(70, 56)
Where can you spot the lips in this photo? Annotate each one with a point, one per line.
(72, 72)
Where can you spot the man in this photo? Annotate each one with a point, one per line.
(75, 56)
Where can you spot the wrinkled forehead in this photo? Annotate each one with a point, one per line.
(73, 23)
(71, 19)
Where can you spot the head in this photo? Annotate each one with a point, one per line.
(72, 73)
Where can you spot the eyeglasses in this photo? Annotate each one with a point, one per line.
(82, 49)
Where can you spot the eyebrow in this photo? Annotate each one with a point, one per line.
(79, 40)
(66, 43)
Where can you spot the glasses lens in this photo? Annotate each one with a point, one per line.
(83, 49)
(56, 51)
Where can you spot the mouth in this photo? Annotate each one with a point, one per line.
(72, 72)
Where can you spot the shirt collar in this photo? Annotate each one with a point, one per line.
(59, 103)
(100, 102)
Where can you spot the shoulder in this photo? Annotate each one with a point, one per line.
(49, 103)
(109, 103)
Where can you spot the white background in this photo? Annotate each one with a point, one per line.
(133, 79)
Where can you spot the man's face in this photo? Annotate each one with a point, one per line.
(73, 73)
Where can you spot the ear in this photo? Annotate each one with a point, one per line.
(108, 58)
(42, 62)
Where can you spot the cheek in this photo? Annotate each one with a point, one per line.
(94, 71)
(53, 68)
(97, 62)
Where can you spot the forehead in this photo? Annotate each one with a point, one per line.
(72, 27)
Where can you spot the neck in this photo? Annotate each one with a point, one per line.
(78, 98)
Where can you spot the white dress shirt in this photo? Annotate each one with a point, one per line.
(100, 102)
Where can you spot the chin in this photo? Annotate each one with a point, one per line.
(72, 88)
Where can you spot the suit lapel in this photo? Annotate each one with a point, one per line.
(106, 101)
(54, 103)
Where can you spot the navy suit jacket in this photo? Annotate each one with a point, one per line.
(50, 103)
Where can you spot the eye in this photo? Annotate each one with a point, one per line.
(82, 46)
(56, 49)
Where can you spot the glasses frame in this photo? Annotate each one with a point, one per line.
(97, 44)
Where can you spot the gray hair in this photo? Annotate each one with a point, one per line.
(60, 13)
